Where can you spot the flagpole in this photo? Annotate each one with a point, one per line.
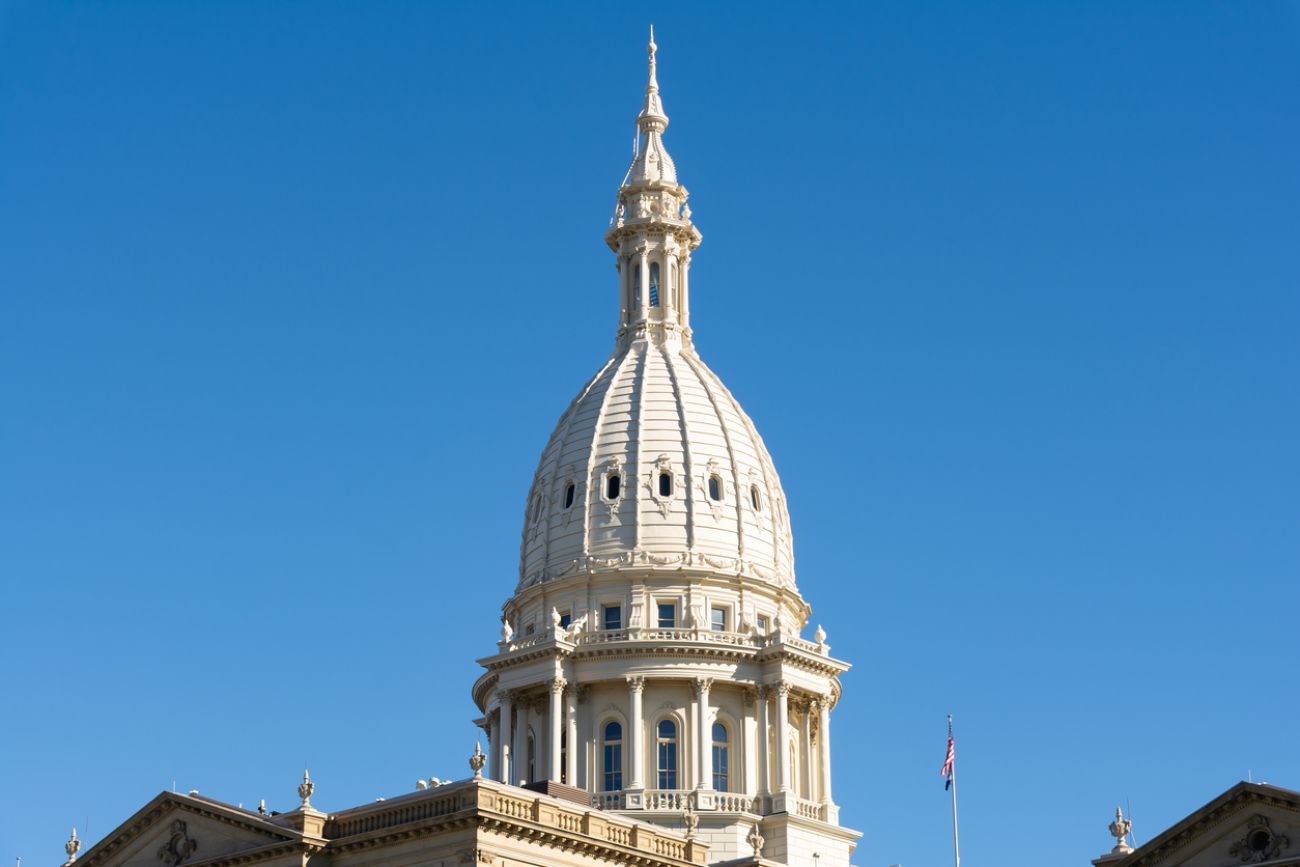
(956, 848)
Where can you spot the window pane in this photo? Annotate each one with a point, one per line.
(665, 485)
(720, 770)
(667, 615)
(613, 616)
(718, 620)
(753, 496)
(565, 619)
(715, 488)
(612, 487)
(667, 729)
(654, 284)
(568, 496)
(613, 731)
(720, 733)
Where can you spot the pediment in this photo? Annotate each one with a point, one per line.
(1247, 825)
(176, 830)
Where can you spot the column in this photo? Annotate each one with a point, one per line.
(685, 301)
(704, 735)
(805, 747)
(494, 747)
(571, 715)
(556, 724)
(635, 729)
(519, 752)
(644, 280)
(782, 730)
(824, 741)
(506, 700)
(764, 742)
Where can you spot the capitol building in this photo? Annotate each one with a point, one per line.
(660, 695)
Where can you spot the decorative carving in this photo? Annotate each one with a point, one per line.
(72, 847)
(763, 691)
(477, 761)
(306, 788)
(690, 821)
(507, 631)
(636, 684)
(179, 846)
(1259, 843)
(702, 686)
(1119, 829)
(783, 689)
(576, 627)
(555, 618)
(557, 685)
(755, 839)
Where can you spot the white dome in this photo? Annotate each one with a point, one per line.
(654, 410)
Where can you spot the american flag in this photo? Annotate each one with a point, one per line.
(946, 772)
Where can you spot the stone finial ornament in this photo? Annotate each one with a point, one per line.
(1119, 829)
(690, 821)
(72, 847)
(820, 636)
(507, 631)
(756, 840)
(477, 761)
(306, 788)
(261, 807)
(555, 618)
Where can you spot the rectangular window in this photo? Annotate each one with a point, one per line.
(667, 765)
(529, 629)
(613, 767)
(762, 625)
(565, 619)
(613, 616)
(667, 615)
(718, 619)
(720, 774)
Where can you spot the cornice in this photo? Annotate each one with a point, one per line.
(1213, 814)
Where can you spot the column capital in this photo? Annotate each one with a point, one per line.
(763, 691)
(702, 685)
(557, 684)
(636, 683)
(783, 689)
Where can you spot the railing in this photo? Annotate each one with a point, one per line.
(669, 799)
(707, 636)
(729, 803)
(809, 809)
(380, 818)
(607, 800)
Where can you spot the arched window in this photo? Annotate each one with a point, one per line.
(665, 484)
(666, 753)
(654, 284)
(755, 498)
(613, 485)
(636, 284)
(613, 756)
(569, 491)
(715, 487)
(721, 758)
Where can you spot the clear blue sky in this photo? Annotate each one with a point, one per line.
(291, 295)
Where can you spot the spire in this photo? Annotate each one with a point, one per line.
(651, 231)
(652, 117)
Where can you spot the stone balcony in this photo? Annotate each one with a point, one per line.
(677, 800)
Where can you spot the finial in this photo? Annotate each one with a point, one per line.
(306, 788)
(477, 761)
(820, 635)
(756, 840)
(261, 807)
(1119, 829)
(72, 847)
(691, 821)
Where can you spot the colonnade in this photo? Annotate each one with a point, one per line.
(558, 761)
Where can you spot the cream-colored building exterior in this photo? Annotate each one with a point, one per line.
(652, 699)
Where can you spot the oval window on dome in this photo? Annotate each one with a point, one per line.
(665, 484)
(613, 486)
(715, 487)
(569, 491)
(755, 498)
